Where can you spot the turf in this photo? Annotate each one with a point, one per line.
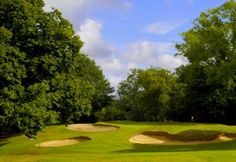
(114, 146)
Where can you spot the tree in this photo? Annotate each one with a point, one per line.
(145, 94)
(210, 76)
(39, 83)
(87, 69)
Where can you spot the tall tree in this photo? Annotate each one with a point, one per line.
(145, 94)
(87, 69)
(210, 76)
(39, 84)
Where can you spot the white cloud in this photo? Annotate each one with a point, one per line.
(94, 44)
(132, 65)
(144, 54)
(115, 80)
(111, 65)
(141, 54)
(169, 62)
(114, 68)
(77, 10)
(139, 51)
(96, 47)
(162, 28)
(115, 64)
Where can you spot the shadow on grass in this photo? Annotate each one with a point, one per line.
(4, 138)
(138, 148)
(3, 142)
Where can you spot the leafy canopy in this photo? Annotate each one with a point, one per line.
(38, 59)
(210, 76)
(145, 94)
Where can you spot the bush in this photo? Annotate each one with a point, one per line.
(109, 114)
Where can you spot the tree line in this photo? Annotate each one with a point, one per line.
(204, 90)
(45, 79)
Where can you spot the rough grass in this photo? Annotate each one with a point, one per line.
(114, 146)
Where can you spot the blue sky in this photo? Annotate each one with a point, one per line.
(124, 34)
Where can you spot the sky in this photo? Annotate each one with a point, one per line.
(124, 34)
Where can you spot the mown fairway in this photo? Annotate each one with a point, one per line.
(114, 146)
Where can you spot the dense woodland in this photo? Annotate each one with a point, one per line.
(45, 79)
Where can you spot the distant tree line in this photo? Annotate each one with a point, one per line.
(204, 90)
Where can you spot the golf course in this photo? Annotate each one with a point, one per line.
(113, 145)
(117, 81)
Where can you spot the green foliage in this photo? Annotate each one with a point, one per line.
(71, 97)
(102, 97)
(177, 110)
(40, 84)
(110, 114)
(210, 76)
(145, 94)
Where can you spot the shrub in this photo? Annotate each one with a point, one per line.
(110, 113)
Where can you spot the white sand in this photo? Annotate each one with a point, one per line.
(58, 143)
(146, 139)
(91, 127)
(63, 142)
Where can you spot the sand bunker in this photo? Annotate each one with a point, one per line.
(144, 139)
(92, 127)
(186, 137)
(64, 142)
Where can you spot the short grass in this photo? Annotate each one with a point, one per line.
(114, 146)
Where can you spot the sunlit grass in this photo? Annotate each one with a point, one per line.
(114, 146)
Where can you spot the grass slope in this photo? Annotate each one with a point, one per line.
(114, 146)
